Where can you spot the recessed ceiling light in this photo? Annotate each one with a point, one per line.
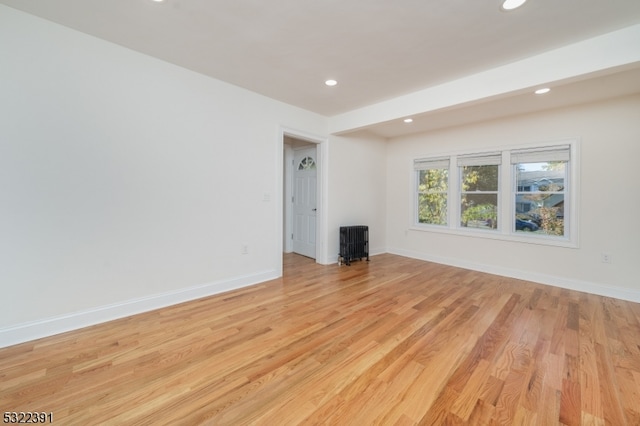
(512, 4)
(330, 82)
(542, 91)
(408, 120)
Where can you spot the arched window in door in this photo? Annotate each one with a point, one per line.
(307, 163)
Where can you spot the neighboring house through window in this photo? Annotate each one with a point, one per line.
(541, 178)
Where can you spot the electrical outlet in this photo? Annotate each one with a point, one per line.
(606, 258)
(244, 249)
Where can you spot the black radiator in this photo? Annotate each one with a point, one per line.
(354, 243)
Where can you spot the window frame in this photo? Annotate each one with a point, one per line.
(482, 159)
(507, 189)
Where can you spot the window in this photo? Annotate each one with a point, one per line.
(432, 190)
(479, 180)
(514, 194)
(541, 177)
(307, 163)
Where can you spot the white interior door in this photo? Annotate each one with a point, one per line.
(304, 202)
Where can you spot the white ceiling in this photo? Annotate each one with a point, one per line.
(376, 49)
(592, 88)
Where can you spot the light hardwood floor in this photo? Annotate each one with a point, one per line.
(394, 341)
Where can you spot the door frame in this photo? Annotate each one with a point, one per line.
(321, 185)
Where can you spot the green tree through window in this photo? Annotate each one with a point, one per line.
(433, 189)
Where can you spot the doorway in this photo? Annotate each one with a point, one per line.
(301, 196)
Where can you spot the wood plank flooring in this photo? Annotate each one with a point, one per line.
(394, 341)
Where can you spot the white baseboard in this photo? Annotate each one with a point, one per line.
(25, 332)
(570, 284)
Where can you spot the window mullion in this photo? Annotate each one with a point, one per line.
(506, 199)
(454, 193)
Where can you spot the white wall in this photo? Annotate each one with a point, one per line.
(608, 202)
(357, 195)
(126, 182)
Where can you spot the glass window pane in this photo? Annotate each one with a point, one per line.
(541, 212)
(479, 178)
(307, 163)
(432, 208)
(540, 197)
(541, 177)
(479, 211)
(433, 180)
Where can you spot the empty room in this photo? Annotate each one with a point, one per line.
(343, 213)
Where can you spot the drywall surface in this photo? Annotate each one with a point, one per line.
(357, 190)
(127, 182)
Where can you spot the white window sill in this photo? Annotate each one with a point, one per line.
(527, 238)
